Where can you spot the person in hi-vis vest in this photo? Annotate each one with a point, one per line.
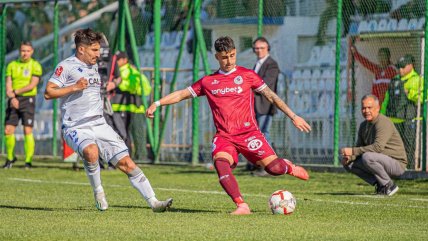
(401, 102)
(126, 99)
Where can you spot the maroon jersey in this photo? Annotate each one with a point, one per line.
(231, 98)
(382, 76)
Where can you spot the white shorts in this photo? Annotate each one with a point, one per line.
(111, 147)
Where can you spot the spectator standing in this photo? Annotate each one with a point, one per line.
(126, 100)
(384, 71)
(401, 102)
(267, 68)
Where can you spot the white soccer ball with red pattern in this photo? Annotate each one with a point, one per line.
(282, 202)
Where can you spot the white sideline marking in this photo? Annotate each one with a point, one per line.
(419, 199)
(368, 204)
(245, 194)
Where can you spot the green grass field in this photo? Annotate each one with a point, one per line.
(52, 202)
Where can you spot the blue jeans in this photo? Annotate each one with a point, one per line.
(265, 122)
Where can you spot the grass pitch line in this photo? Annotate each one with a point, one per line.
(222, 193)
(67, 183)
(419, 199)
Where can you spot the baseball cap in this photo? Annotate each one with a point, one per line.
(405, 60)
(121, 55)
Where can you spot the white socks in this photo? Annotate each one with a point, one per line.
(136, 177)
(141, 183)
(93, 173)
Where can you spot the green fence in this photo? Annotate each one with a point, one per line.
(323, 49)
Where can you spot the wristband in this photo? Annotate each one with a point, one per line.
(157, 103)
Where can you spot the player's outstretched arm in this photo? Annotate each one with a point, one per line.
(170, 99)
(53, 91)
(298, 121)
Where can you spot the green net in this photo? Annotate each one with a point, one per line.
(386, 46)
(33, 21)
(302, 36)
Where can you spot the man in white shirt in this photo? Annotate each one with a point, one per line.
(77, 83)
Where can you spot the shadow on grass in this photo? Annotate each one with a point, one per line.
(196, 171)
(39, 208)
(172, 210)
(27, 208)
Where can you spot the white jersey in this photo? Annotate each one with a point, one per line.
(78, 106)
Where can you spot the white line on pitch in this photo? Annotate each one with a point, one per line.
(419, 199)
(222, 193)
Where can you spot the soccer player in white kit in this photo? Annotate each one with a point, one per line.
(77, 83)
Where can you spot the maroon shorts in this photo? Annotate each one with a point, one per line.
(253, 146)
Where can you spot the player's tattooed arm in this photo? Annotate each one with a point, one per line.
(273, 98)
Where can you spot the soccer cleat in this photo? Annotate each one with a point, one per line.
(28, 166)
(161, 206)
(388, 190)
(297, 171)
(8, 164)
(242, 209)
(101, 201)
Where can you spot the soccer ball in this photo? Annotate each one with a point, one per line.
(282, 202)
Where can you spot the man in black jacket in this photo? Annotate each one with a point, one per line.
(267, 68)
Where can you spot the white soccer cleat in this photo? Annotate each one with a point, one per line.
(161, 206)
(101, 201)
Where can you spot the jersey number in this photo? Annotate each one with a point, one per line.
(73, 136)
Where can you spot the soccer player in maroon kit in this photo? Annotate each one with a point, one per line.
(230, 95)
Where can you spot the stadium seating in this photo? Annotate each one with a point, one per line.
(382, 25)
(403, 24)
(413, 24)
(327, 56)
(372, 26)
(387, 25)
(363, 26)
(392, 25)
(315, 56)
(421, 23)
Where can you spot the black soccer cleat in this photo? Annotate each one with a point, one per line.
(9, 163)
(28, 166)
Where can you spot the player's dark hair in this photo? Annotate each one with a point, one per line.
(224, 44)
(261, 39)
(27, 43)
(386, 51)
(87, 37)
